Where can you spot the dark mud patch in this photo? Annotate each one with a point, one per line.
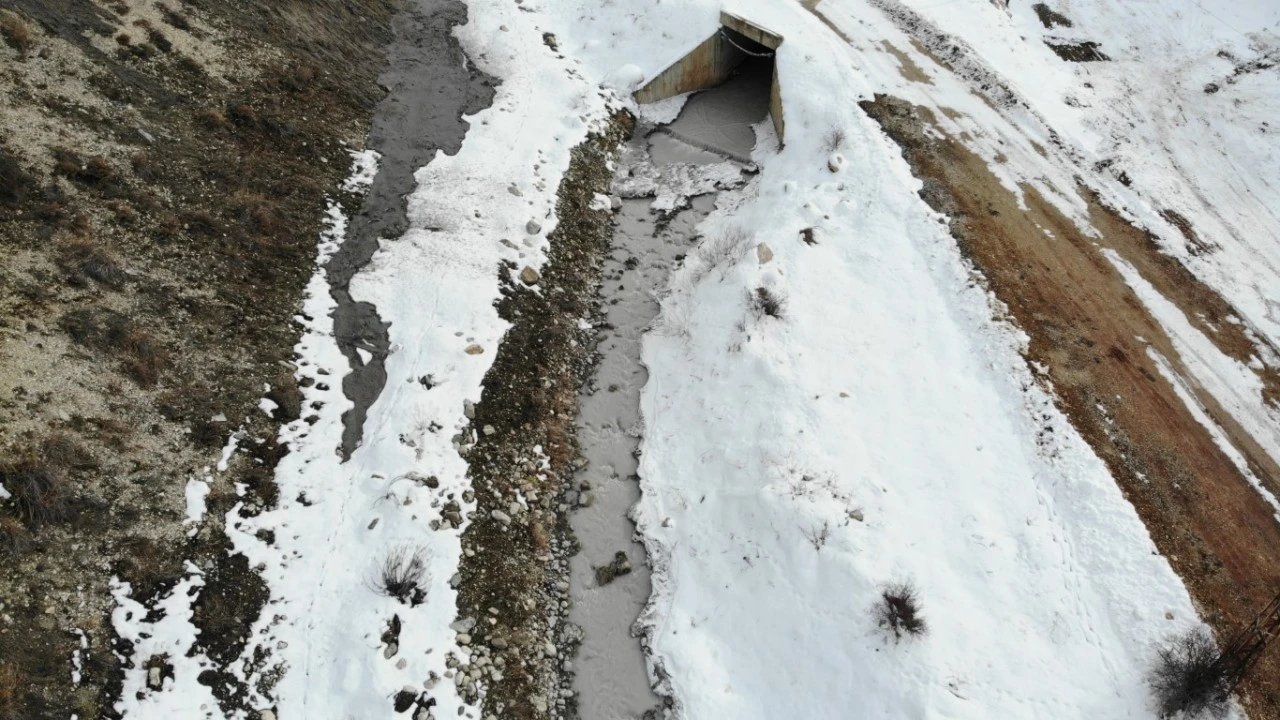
(516, 571)
(428, 92)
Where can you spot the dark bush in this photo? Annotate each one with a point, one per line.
(15, 183)
(1189, 679)
(766, 303)
(899, 610)
(84, 259)
(38, 490)
(400, 575)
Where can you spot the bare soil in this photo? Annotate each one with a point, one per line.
(164, 168)
(1084, 324)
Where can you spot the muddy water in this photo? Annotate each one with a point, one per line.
(611, 677)
(428, 93)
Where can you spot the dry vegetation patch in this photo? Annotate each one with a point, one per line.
(162, 183)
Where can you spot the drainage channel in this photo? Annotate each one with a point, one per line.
(700, 152)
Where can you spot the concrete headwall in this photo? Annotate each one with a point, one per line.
(712, 62)
(706, 66)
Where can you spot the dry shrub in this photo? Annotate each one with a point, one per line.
(15, 540)
(401, 573)
(899, 610)
(1188, 678)
(96, 171)
(766, 303)
(174, 18)
(212, 119)
(85, 259)
(833, 140)
(158, 39)
(61, 450)
(287, 397)
(261, 214)
(39, 492)
(15, 183)
(16, 33)
(724, 250)
(142, 355)
(124, 40)
(242, 113)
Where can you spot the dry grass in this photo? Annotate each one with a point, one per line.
(10, 690)
(38, 489)
(142, 355)
(16, 33)
(83, 259)
(212, 119)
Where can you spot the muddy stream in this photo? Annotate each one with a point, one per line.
(609, 582)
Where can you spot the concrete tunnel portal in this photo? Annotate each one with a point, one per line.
(715, 60)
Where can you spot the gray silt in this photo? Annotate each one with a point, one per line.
(611, 678)
(430, 85)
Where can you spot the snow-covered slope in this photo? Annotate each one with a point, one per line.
(884, 429)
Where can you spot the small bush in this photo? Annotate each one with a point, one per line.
(899, 610)
(766, 303)
(174, 18)
(725, 250)
(84, 259)
(212, 119)
(401, 573)
(15, 32)
(158, 39)
(1188, 678)
(15, 540)
(15, 183)
(833, 140)
(39, 492)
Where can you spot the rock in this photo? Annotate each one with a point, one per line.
(402, 663)
(533, 227)
(499, 643)
(856, 514)
(469, 409)
(550, 40)
(764, 253)
(586, 499)
(615, 203)
(500, 517)
(390, 651)
(464, 639)
(266, 715)
(539, 703)
(489, 430)
(835, 162)
(432, 482)
(473, 349)
(154, 681)
(529, 276)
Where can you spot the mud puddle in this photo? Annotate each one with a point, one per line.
(705, 149)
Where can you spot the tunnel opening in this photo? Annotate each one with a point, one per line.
(738, 48)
